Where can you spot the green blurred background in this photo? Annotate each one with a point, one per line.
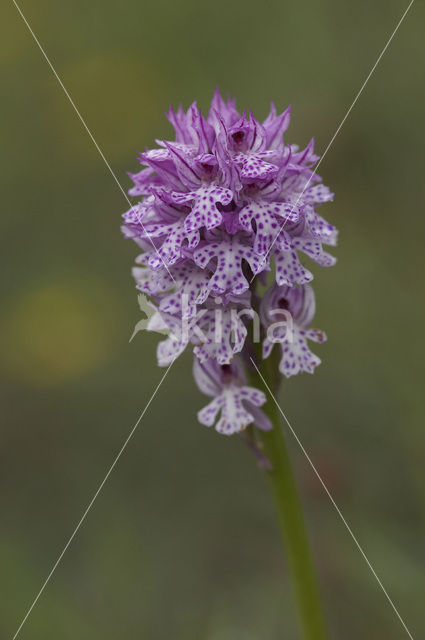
(182, 542)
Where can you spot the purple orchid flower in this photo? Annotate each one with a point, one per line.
(224, 206)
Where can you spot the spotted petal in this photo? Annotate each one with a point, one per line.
(289, 269)
(171, 249)
(228, 255)
(313, 249)
(191, 290)
(171, 348)
(225, 336)
(269, 219)
(319, 228)
(297, 357)
(255, 168)
(234, 403)
(204, 212)
(319, 193)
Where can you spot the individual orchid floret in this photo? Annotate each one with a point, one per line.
(235, 403)
(286, 313)
(225, 256)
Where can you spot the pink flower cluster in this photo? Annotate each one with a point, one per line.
(226, 205)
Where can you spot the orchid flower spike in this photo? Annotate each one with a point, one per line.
(225, 207)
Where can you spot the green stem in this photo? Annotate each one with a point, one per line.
(291, 520)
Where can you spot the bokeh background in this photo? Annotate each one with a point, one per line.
(182, 543)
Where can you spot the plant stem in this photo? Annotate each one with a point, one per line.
(291, 520)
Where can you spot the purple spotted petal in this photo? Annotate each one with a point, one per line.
(289, 269)
(225, 258)
(204, 212)
(235, 417)
(225, 336)
(269, 218)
